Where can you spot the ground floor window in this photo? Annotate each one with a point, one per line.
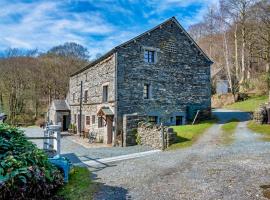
(153, 119)
(75, 118)
(93, 119)
(87, 119)
(100, 122)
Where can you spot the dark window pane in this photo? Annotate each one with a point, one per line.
(146, 91)
(85, 96)
(105, 94)
(100, 122)
(153, 119)
(93, 119)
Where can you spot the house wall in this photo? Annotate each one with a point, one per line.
(93, 80)
(180, 79)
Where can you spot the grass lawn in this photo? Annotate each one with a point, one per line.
(259, 128)
(188, 134)
(79, 186)
(230, 126)
(248, 105)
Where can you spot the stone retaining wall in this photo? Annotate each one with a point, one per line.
(151, 135)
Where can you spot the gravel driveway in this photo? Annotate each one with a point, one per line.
(213, 168)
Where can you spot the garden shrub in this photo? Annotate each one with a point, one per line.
(25, 171)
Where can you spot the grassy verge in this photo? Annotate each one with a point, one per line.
(248, 105)
(228, 129)
(79, 186)
(188, 134)
(259, 128)
(230, 126)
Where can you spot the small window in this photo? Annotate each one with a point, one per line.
(100, 122)
(153, 119)
(93, 119)
(75, 118)
(105, 94)
(85, 96)
(149, 56)
(73, 97)
(87, 119)
(146, 91)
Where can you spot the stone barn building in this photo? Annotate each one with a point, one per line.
(59, 113)
(161, 76)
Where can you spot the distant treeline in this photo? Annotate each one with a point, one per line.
(236, 35)
(29, 80)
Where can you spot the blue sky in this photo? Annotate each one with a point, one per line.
(97, 24)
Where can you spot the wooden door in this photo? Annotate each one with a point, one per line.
(109, 129)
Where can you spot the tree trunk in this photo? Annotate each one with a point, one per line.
(236, 53)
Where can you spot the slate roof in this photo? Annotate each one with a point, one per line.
(106, 111)
(134, 39)
(61, 105)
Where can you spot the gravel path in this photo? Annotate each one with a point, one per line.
(213, 168)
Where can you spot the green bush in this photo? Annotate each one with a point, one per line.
(25, 171)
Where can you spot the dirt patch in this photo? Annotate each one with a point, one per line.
(266, 191)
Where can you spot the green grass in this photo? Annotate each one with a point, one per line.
(248, 105)
(230, 126)
(188, 134)
(259, 128)
(79, 185)
(228, 129)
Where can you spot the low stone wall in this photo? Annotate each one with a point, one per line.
(260, 115)
(151, 135)
(219, 101)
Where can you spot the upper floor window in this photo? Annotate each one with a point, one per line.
(87, 120)
(146, 91)
(105, 93)
(149, 56)
(73, 97)
(85, 96)
(93, 119)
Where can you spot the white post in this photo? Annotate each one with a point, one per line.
(56, 132)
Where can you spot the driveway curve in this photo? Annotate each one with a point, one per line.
(210, 169)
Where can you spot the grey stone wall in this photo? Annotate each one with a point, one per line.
(93, 79)
(130, 125)
(151, 135)
(180, 78)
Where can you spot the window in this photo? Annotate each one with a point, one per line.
(146, 91)
(105, 93)
(75, 118)
(93, 119)
(100, 122)
(153, 119)
(73, 97)
(85, 96)
(149, 56)
(87, 119)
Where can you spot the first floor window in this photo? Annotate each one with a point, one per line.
(105, 93)
(87, 120)
(85, 96)
(73, 97)
(93, 119)
(153, 119)
(100, 122)
(75, 118)
(146, 91)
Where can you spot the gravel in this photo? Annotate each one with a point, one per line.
(210, 169)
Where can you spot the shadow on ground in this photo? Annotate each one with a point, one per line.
(103, 191)
(224, 116)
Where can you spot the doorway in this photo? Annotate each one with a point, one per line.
(109, 120)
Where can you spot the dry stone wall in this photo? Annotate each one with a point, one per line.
(151, 135)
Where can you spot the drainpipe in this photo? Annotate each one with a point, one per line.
(80, 123)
